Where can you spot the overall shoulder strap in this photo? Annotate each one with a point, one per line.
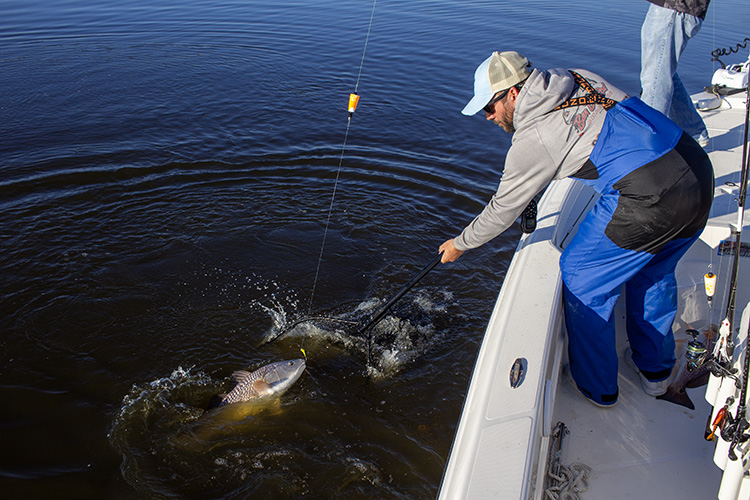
(591, 97)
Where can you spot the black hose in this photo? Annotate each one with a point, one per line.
(727, 51)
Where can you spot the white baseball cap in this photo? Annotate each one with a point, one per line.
(500, 71)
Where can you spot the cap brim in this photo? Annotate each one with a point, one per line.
(476, 104)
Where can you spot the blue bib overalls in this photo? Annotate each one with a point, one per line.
(656, 187)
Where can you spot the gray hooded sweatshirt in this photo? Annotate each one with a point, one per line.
(546, 145)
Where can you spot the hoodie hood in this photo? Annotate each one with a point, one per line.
(542, 92)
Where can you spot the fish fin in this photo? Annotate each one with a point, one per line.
(699, 381)
(237, 378)
(216, 401)
(262, 388)
(240, 375)
(678, 397)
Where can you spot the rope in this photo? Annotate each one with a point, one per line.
(591, 97)
(566, 482)
(571, 482)
(341, 159)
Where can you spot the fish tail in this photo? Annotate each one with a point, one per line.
(216, 401)
(678, 397)
(699, 381)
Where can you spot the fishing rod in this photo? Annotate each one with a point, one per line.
(725, 345)
(720, 360)
(740, 422)
(737, 426)
(734, 428)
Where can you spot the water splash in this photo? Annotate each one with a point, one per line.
(167, 441)
(403, 336)
(276, 312)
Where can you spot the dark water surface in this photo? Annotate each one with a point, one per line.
(166, 175)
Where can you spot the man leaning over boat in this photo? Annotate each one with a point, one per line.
(656, 187)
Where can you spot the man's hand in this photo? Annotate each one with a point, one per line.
(449, 251)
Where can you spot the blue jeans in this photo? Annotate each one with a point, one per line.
(664, 35)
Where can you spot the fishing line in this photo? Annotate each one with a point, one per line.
(353, 100)
(367, 39)
(710, 276)
(328, 220)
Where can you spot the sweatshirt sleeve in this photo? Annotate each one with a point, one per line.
(528, 170)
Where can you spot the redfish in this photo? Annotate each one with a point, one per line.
(269, 380)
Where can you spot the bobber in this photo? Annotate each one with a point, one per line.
(709, 280)
(353, 100)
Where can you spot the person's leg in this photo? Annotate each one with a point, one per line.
(683, 111)
(593, 271)
(591, 350)
(658, 57)
(651, 305)
(664, 36)
(684, 114)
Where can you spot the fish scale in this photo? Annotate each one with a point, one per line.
(248, 386)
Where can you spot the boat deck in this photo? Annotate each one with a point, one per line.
(642, 447)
